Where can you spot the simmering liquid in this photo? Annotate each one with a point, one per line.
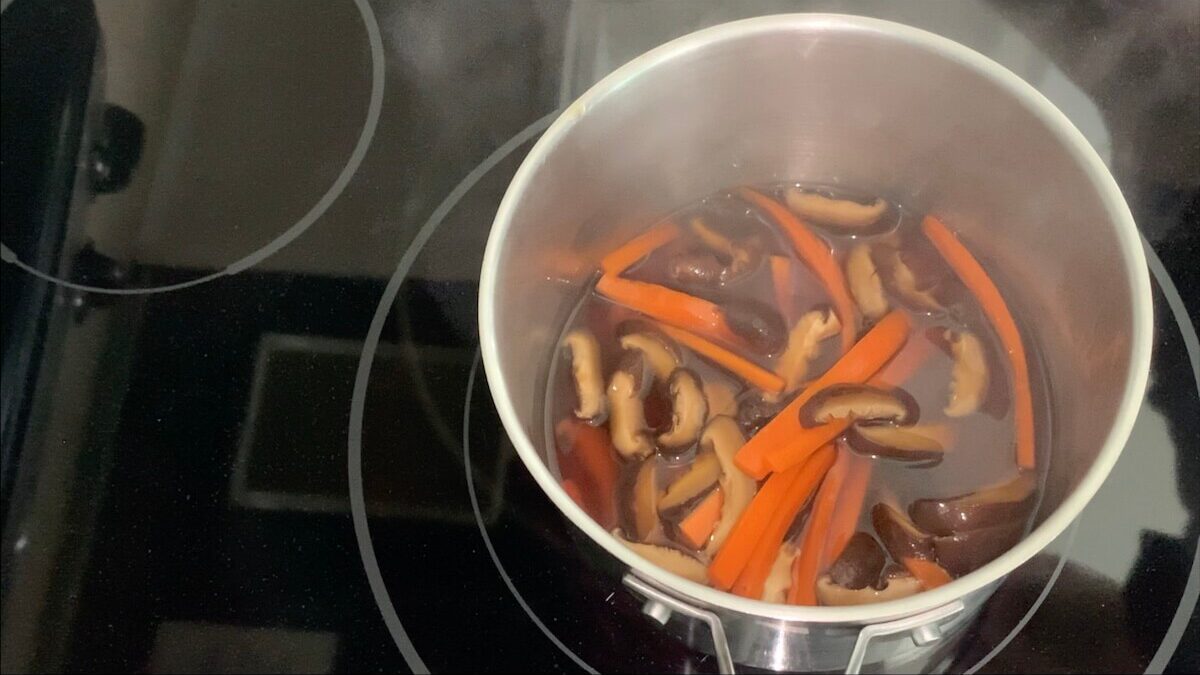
(975, 448)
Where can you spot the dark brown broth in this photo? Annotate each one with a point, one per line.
(983, 452)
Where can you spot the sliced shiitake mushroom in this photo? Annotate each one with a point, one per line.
(723, 437)
(803, 341)
(918, 443)
(860, 563)
(900, 536)
(1005, 502)
(670, 559)
(830, 594)
(969, 377)
(757, 323)
(779, 579)
(689, 411)
(743, 256)
(965, 552)
(865, 284)
(862, 403)
(645, 500)
(695, 268)
(658, 349)
(902, 281)
(844, 214)
(627, 389)
(700, 477)
(721, 400)
(584, 351)
(755, 410)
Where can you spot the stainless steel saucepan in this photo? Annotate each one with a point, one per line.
(878, 107)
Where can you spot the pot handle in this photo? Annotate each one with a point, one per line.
(924, 627)
(660, 605)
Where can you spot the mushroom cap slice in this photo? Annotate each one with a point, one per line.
(803, 341)
(862, 403)
(965, 552)
(672, 560)
(627, 389)
(757, 323)
(830, 594)
(1010, 501)
(969, 376)
(843, 214)
(755, 410)
(900, 536)
(865, 285)
(689, 411)
(860, 564)
(700, 477)
(918, 443)
(724, 437)
(695, 268)
(658, 350)
(902, 281)
(645, 500)
(588, 375)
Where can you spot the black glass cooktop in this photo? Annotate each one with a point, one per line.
(257, 435)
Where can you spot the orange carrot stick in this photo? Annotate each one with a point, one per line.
(816, 254)
(849, 507)
(754, 575)
(875, 348)
(801, 445)
(930, 574)
(623, 257)
(670, 307)
(908, 361)
(807, 564)
(573, 491)
(782, 279)
(980, 284)
(739, 545)
(592, 466)
(750, 372)
(698, 526)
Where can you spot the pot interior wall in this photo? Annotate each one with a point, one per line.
(858, 108)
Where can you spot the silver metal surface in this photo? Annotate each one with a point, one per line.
(882, 108)
(660, 605)
(925, 630)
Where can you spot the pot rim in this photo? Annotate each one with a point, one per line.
(1134, 264)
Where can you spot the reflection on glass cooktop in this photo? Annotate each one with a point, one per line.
(295, 464)
(1098, 599)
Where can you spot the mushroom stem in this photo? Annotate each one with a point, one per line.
(969, 376)
(725, 438)
(779, 580)
(627, 391)
(742, 256)
(865, 284)
(839, 212)
(584, 351)
(689, 411)
(803, 340)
